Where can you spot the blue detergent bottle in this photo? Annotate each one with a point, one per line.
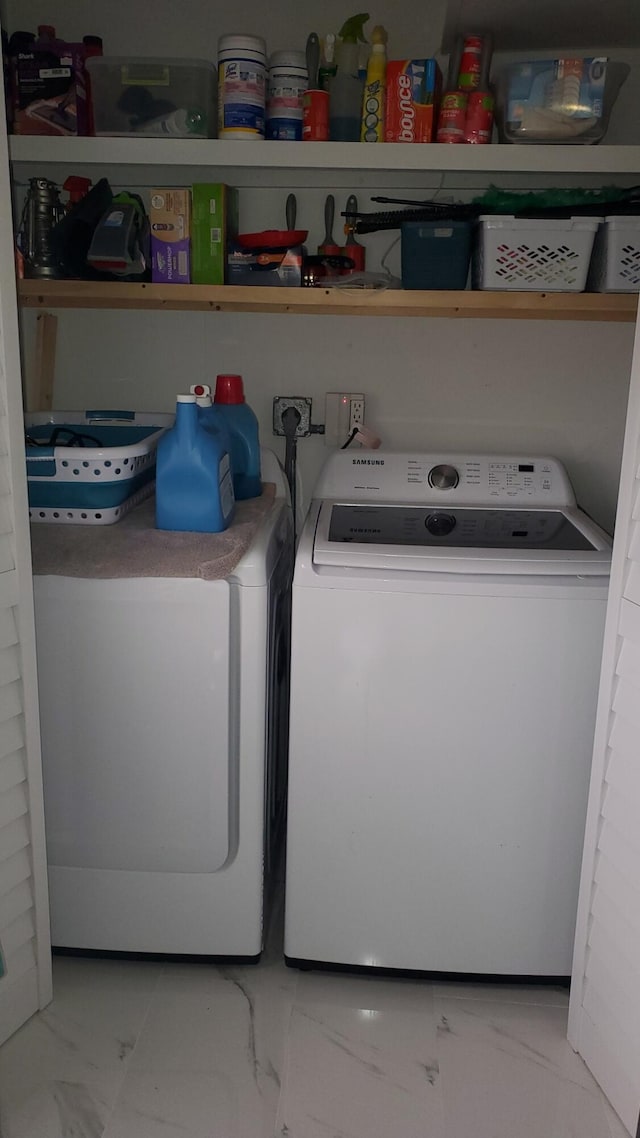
(243, 429)
(210, 415)
(194, 488)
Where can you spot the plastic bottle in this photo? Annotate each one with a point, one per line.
(242, 70)
(288, 82)
(181, 123)
(328, 68)
(374, 88)
(243, 428)
(212, 416)
(345, 89)
(92, 48)
(194, 488)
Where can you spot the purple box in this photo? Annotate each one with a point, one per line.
(170, 218)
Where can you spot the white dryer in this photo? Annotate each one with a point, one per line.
(164, 722)
(448, 614)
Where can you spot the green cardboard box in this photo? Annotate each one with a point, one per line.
(214, 221)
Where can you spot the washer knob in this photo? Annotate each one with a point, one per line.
(440, 524)
(443, 477)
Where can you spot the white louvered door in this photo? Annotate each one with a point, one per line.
(604, 1019)
(25, 983)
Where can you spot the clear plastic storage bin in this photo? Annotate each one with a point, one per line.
(530, 255)
(90, 467)
(565, 101)
(615, 262)
(166, 98)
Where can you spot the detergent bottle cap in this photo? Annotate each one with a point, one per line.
(229, 389)
(379, 39)
(204, 400)
(200, 389)
(185, 398)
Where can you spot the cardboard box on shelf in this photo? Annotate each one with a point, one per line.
(267, 267)
(214, 225)
(47, 77)
(413, 90)
(170, 219)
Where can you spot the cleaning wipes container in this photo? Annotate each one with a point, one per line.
(194, 488)
(243, 429)
(242, 80)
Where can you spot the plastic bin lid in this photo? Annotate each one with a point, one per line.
(103, 62)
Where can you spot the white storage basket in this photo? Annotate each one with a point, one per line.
(615, 263)
(531, 255)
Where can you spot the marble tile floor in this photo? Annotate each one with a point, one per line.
(151, 1050)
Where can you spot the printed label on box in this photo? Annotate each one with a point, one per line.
(170, 219)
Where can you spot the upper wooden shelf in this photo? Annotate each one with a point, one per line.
(616, 307)
(221, 154)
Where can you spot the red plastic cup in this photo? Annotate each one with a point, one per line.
(229, 389)
(315, 116)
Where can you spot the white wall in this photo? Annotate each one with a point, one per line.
(468, 384)
(511, 385)
(191, 27)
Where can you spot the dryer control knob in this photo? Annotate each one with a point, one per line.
(443, 477)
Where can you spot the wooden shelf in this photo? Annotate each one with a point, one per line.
(617, 307)
(353, 156)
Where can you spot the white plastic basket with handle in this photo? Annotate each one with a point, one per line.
(106, 467)
(532, 255)
(615, 263)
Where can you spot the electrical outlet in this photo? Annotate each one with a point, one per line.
(302, 406)
(343, 412)
(356, 412)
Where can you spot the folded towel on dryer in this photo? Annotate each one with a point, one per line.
(135, 548)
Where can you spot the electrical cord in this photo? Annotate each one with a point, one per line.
(350, 439)
(290, 421)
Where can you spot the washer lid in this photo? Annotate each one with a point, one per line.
(460, 539)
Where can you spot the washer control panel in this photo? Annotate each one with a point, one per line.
(502, 479)
(445, 480)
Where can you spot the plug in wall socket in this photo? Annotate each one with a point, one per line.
(302, 405)
(343, 412)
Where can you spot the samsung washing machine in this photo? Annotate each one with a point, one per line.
(164, 744)
(448, 615)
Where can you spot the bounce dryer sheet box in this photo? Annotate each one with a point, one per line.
(170, 219)
(214, 225)
(413, 90)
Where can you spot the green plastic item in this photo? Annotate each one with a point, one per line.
(496, 200)
(352, 31)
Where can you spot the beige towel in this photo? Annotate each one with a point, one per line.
(133, 547)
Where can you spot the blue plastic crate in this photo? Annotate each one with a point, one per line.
(435, 254)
